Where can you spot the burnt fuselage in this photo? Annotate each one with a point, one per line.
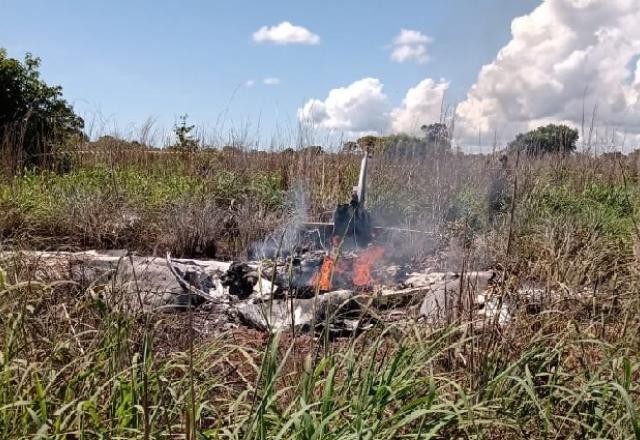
(352, 224)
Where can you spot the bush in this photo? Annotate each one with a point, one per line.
(606, 208)
(468, 208)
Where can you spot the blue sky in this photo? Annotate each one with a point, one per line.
(131, 60)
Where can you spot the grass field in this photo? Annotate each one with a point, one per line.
(74, 365)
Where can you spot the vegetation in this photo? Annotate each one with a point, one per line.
(438, 137)
(34, 119)
(184, 137)
(436, 141)
(75, 365)
(548, 139)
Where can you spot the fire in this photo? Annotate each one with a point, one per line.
(322, 279)
(363, 265)
(360, 268)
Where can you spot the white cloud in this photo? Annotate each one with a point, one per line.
(408, 36)
(362, 107)
(562, 55)
(421, 105)
(249, 83)
(271, 81)
(285, 33)
(410, 45)
(357, 108)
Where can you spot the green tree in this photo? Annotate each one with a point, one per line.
(437, 136)
(312, 150)
(403, 145)
(551, 138)
(369, 143)
(184, 138)
(395, 144)
(436, 140)
(34, 118)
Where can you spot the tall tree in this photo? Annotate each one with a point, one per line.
(437, 136)
(34, 118)
(550, 138)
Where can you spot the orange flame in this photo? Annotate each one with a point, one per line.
(363, 265)
(360, 267)
(322, 279)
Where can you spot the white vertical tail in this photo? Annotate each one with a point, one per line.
(361, 189)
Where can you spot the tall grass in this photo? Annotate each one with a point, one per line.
(75, 363)
(74, 366)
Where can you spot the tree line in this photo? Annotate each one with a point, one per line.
(35, 120)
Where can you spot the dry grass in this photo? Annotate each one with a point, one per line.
(74, 365)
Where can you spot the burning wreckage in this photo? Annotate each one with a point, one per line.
(339, 276)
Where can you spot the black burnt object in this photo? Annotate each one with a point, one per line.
(353, 223)
(240, 279)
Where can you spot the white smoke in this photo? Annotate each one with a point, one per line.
(286, 239)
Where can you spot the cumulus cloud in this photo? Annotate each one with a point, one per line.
(410, 45)
(362, 107)
(564, 55)
(249, 83)
(421, 105)
(271, 81)
(285, 33)
(359, 107)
